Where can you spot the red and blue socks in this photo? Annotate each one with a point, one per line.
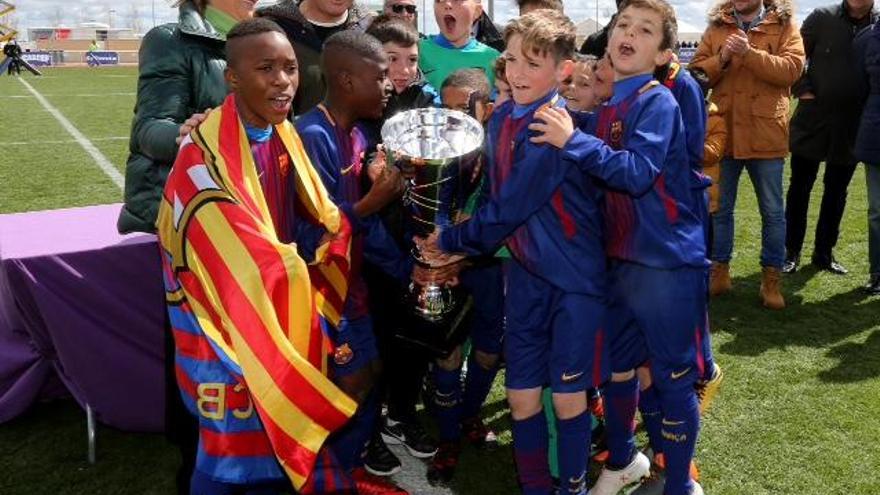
(680, 426)
(652, 417)
(621, 399)
(447, 403)
(573, 450)
(477, 384)
(530, 437)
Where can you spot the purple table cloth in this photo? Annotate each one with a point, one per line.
(84, 304)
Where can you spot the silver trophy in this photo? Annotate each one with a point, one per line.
(438, 151)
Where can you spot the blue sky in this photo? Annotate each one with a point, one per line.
(125, 13)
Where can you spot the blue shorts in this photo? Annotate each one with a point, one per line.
(355, 345)
(485, 284)
(657, 316)
(553, 337)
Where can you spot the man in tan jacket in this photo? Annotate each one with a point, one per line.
(752, 52)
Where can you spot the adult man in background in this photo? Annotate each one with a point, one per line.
(752, 53)
(406, 10)
(824, 128)
(486, 32)
(307, 24)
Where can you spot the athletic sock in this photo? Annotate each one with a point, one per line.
(620, 410)
(573, 449)
(652, 417)
(349, 443)
(530, 439)
(447, 403)
(681, 424)
(477, 384)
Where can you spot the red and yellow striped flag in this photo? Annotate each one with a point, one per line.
(254, 297)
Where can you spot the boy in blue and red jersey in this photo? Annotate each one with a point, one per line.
(655, 242)
(548, 214)
(457, 402)
(356, 70)
(689, 96)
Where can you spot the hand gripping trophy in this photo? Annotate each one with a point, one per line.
(438, 151)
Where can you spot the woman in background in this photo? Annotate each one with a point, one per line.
(180, 76)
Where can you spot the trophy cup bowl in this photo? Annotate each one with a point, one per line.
(438, 151)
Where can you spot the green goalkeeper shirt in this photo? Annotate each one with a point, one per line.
(438, 58)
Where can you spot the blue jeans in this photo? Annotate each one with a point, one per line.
(766, 177)
(872, 177)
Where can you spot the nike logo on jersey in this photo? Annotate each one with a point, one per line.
(676, 375)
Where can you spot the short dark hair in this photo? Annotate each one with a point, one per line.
(473, 80)
(393, 30)
(354, 43)
(249, 27)
(542, 4)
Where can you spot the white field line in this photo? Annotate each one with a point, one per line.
(84, 95)
(60, 141)
(108, 168)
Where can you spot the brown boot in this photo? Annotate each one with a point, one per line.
(719, 279)
(771, 288)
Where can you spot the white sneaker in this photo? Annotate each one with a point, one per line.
(611, 482)
(697, 490)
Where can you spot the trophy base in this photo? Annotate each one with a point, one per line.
(440, 334)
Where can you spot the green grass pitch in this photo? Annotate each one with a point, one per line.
(798, 412)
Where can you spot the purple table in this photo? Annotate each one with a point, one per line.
(83, 304)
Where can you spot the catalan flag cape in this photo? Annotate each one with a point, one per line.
(246, 310)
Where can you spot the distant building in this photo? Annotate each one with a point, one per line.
(84, 31)
(585, 28)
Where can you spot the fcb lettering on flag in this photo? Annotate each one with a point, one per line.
(244, 302)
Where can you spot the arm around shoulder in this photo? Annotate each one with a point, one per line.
(163, 97)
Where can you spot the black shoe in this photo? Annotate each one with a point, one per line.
(411, 435)
(791, 264)
(873, 286)
(828, 264)
(379, 459)
(442, 466)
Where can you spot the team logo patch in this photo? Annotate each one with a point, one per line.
(616, 132)
(343, 355)
(284, 164)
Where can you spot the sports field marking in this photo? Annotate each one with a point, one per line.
(83, 95)
(60, 141)
(106, 166)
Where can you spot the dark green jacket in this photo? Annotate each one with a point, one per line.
(180, 73)
(307, 45)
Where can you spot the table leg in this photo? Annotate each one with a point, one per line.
(90, 428)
